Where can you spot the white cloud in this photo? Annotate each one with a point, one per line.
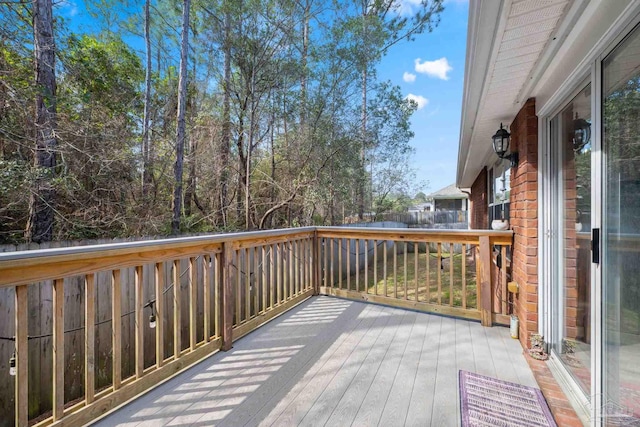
(438, 68)
(418, 99)
(408, 77)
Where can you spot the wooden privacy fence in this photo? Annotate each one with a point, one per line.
(117, 319)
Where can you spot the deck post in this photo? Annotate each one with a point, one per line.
(315, 262)
(484, 279)
(228, 278)
(22, 356)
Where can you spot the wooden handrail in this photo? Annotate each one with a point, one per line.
(415, 234)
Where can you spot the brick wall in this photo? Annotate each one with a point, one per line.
(479, 216)
(524, 218)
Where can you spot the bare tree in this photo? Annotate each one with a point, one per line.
(41, 211)
(181, 126)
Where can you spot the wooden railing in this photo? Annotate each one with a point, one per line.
(438, 271)
(161, 306)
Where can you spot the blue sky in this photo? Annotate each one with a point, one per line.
(437, 124)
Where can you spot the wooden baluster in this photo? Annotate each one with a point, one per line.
(297, 264)
(316, 263)
(406, 271)
(439, 273)
(237, 284)
(300, 269)
(307, 249)
(256, 281)
(22, 355)
(272, 277)
(311, 245)
(177, 308)
(264, 279)
(139, 322)
(116, 325)
(229, 273)
(428, 282)
(395, 269)
(331, 252)
(503, 279)
(357, 245)
(340, 263)
(384, 268)
(89, 337)
(247, 284)
(193, 303)
(451, 258)
(206, 296)
(292, 261)
(159, 307)
(375, 266)
(279, 267)
(478, 278)
(348, 260)
(325, 256)
(485, 280)
(464, 276)
(58, 349)
(218, 281)
(366, 266)
(416, 258)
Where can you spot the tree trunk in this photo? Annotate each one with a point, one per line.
(361, 177)
(181, 128)
(146, 140)
(305, 53)
(226, 119)
(190, 191)
(41, 212)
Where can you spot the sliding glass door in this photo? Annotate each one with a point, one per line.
(621, 232)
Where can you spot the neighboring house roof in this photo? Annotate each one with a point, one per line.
(448, 192)
(510, 43)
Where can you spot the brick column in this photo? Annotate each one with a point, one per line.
(524, 218)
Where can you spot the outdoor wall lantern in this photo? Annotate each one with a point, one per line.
(501, 146)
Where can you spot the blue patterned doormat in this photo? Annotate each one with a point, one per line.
(486, 401)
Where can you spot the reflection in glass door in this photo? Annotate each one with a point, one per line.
(571, 148)
(621, 233)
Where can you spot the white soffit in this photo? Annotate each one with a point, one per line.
(519, 35)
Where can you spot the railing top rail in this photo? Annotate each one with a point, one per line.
(417, 231)
(151, 245)
(414, 234)
(43, 264)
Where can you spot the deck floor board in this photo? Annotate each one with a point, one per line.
(333, 362)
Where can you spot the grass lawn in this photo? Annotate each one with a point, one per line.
(402, 284)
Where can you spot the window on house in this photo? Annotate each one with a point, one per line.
(499, 191)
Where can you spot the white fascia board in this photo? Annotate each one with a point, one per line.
(481, 36)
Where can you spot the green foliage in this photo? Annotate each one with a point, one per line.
(105, 72)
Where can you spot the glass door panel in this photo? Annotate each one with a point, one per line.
(571, 145)
(621, 232)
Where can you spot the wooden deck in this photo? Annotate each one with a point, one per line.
(334, 362)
